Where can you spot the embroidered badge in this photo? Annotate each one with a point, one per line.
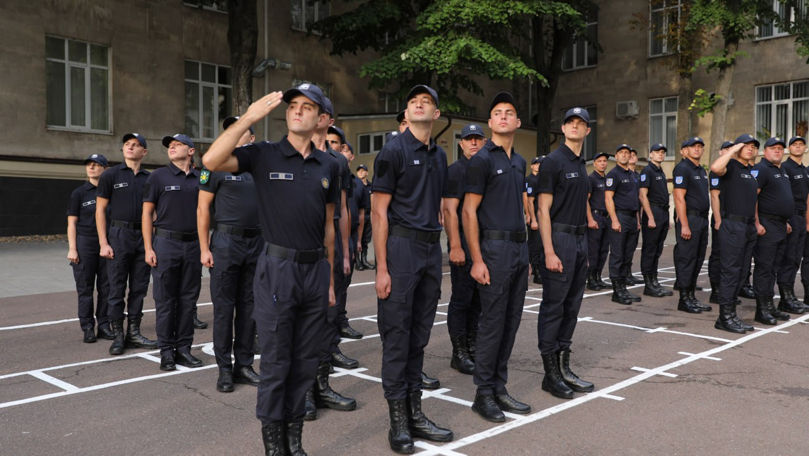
(643, 177)
(754, 172)
(325, 183)
(678, 180)
(282, 176)
(121, 185)
(204, 176)
(572, 175)
(234, 178)
(171, 188)
(715, 181)
(609, 182)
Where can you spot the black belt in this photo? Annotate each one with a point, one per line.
(661, 206)
(176, 235)
(738, 218)
(497, 235)
(123, 224)
(599, 211)
(625, 212)
(298, 256)
(572, 229)
(237, 230)
(430, 237)
(703, 214)
(774, 218)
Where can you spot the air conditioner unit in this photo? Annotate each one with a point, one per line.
(626, 109)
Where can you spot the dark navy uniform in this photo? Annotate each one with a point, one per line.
(291, 286)
(236, 244)
(775, 207)
(564, 175)
(464, 303)
(414, 174)
(653, 178)
(624, 184)
(366, 229)
(534, 247)
(737, 232)
(690, 254)
(124, 190)
(500, 179)
(714, 268)
(793, 252)
(176, 279)
(598, 245)
(91, 271)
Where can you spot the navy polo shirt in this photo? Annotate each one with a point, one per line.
(713, 181)
(737, 190)
(531, 186)
(124, 190)
(775, 197)
(501, 181)
(174, 194)
(653, 178)
(83, 205)
(415, 175)
(346, 181)
(564, 175)
(598, 184)
(292, 191)
(367, 189)
(456, 183)
(624, 184)
(358, 199)
(235, 202)
(693, 178)
(799, 179)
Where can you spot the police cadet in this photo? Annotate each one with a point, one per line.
(362, 259)
(464, 303)
(775, 207)
(714, 267)
(89, 269)
(597, 220)
(736, 226)
(297, 188)
(322, 395)
(494, 227)
(120, 189)
(563, 206)
(691, 204)
(788, 268)
(534, 249)
(654, 199)
(629, 278)
(172, 250)
(621, 199)
(231, 255)
(409, 176)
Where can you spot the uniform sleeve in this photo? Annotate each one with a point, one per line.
(74, 206)
(762, 176)
(713, 181)
(209, 181)
(611, 183)
(347, 180)
(105, 183)
(245, 155)
(455, 182)
(548, 177)
(476, 174)
(386, 166)
(681, 176)
(151, 189)
(645, 179)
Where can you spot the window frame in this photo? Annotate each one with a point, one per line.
(199, 5)
(664, 9)
(317, 15)
(200, 86)
(776, 31)
(371, 135)
(670, 143)
(588, 47)
(789, 102)
(87, 67)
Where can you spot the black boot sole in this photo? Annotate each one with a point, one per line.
(722, 327)
(620, 300)
(491, 418)
(556, 393)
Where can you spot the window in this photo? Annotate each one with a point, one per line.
(782, 109)
(768, 28)
(207, 98)
(307, 12)
(582, 53)
(590, 146)
(78, 85)
(371, 143)
(663, 123)
(389, 102)
(212, 5)
(665, 15)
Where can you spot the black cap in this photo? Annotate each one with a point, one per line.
(658, 146)
(328, 107)
(391, 135)
(335, 130)
(472, 130)
(362, 167)
(623, 146)
(747, 138)
(726, 144)
(231, 120)
(178, 137)
(774, 141)
(602, 154)
(691, 141)
(536, 160)
(581, 113)
(421, 88)
(503, 97)
(400, 116)
(97, 158)
(310, 91)
(137, 136)
(796, 138)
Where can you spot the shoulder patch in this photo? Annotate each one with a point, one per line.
(204, 176)
(643, 177)
(715, 181)
(609, 182)
(678, 180)
(754, 173)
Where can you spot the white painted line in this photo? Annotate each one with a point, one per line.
(440, 313)
(435, 449)
(533, 298)
(643, 369)
(531, 311)
(700, 336)
(149, 357)
(658, 329)
(712, 358)
(54, 381)
(340, 372)
(612, 397)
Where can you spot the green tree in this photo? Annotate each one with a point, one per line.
(242, 39)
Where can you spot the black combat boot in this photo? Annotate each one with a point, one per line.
(199, 324)
(460, 356)
(727, 320)
(572, 380)
(365, 260)
(553, 382)
(428, 382)
(685, 304)
(274, 436)
(805, 294)
(696, 302)
(325, 397)
(592, 284)
(309, 405)
(763, 314)
(783, 316)
(665, 291)
(714, 298)
(632, 297)
(537, 277)
(788, 302)
(224, 384)
(294, 438)
(630, 279)
(650, 289)
(105, 332)
(399, 434)
(358, 264)
(117, 347)
(747, 291)
(618, 294)
(338, 359)
(485, 406)
(134, 339)
(601, 283)
(421, 426)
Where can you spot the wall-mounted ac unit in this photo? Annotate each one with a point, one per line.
(626, 109)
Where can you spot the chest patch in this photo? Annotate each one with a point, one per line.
(88, 203)
(233, 178)
(572, 175)
(282, 176)
(171, 188)
(324, 182)
(121, 185)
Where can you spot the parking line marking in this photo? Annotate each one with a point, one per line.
(712, 358)
(643, 369)
(436, 449)
(54, 381)
(612, 397)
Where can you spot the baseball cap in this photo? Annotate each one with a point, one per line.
(503, 97)
(231, 120)
(623, 146)
(335, 130)
(97, 158)
(537, 159)
(400, 117)
(391, 135)
(602, 154)
(310, 91)
(658, 146)
(421, 88)
(796, 138)
(726, 144)
(362, 167)
(328, 107)
(747, 138)
(178, 137)
(691, 141)
(775, 140)
(581, 113)
(137, 136)
(472, 130)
